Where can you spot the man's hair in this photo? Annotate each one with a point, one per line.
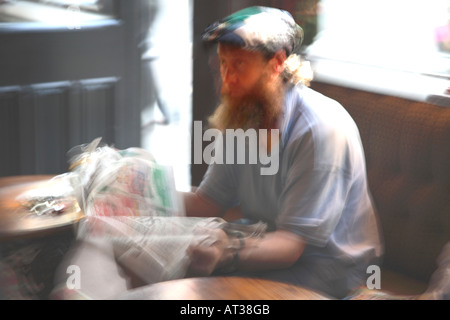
(296, 70)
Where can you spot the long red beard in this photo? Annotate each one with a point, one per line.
(259, 109)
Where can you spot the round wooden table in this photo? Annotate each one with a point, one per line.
(222, 288)
(16, 220)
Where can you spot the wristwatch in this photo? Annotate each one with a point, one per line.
(234, 262)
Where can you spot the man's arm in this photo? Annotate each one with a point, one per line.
(197, 205)
(276, 250)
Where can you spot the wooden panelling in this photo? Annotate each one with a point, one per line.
(9, 118)
(42, 122)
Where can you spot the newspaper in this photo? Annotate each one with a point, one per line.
(155, 248)
(127, 182)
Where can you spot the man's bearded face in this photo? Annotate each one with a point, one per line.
(250, 97)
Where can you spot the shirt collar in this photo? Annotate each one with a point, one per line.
(290, 113)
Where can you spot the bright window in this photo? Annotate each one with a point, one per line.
(406, 36)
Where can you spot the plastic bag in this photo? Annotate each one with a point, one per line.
(53, 197)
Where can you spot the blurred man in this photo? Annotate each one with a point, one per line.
(322, 228)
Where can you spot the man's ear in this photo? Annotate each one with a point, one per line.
(278, 61)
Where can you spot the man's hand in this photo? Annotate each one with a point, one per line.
(207, 257)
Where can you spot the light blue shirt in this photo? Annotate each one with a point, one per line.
(320, 191)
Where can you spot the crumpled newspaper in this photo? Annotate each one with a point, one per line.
(112, 250)
(155, 248)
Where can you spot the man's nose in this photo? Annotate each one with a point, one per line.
(229, 76)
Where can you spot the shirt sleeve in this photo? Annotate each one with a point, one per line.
(220, 185)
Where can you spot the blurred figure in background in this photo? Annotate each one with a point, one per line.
(150, 86)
